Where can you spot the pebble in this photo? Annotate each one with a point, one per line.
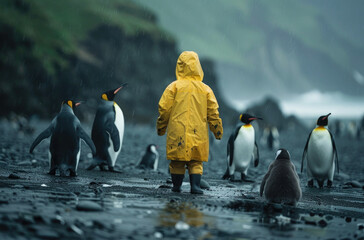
(24, 163)
(322, 223)
(88, 206)
(204, 184)
(347, 219)
(182, 226)
(47, 234)
(13, 176)
(75, 229)
(360, 226)
(354, 184)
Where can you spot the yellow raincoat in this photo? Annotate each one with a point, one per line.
(185, 108)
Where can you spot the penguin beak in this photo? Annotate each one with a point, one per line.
(121, 87)
(78, 104)
(326, 116)
(254, 118)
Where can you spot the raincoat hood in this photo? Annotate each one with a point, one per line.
(189, 67)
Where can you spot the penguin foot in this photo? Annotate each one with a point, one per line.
(245, 178)
(92, 166)
(73, 173)
(329, 183)
(112, 169)
(310, 184)
(320, 184)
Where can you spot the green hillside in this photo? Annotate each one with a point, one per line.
(56, 28)
(54, 50)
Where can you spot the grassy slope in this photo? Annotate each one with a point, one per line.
(57, 27)
(221, 29)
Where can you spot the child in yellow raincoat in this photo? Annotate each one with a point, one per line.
(185, 108)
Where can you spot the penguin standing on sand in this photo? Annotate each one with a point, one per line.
(320, 151)
(150, 158)
(281, 183)
(107, 131)
(65, 146)
(242, 149)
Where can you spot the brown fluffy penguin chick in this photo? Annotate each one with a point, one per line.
(281, 183)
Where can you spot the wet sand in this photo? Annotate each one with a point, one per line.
(139, 204)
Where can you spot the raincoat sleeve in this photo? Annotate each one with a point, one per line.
(165, 107)
(215, 122)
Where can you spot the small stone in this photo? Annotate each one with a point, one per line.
(13, 176)
(347, 219)
(230, 186)
(75, 229)
(322, 223)
(38, 219)
(47, 234)
(88, 206)
(354, 184)
(164, 186)
(158, 235)
(24, 163)
(169, 180)
(58, 219)
(182, 226)
(360, 226)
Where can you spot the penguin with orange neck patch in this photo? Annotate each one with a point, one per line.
(107, 131)
(242, 149)
(320, 152)
(65, 145)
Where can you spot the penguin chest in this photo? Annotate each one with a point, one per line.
(243, 147)
(119, 123)
(320, 152)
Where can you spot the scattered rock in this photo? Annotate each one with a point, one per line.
(158, 235)
(164, 186)
(169, 181)
(204, 184)
(322, 223)
(88, 206)
(39, 219)
(58, 219)
(24, 163)
(75, 229)
(354, 184)
(13, 176)
(230, 185)
(347, 219)
(360, 226)
(182, 226)
(47, 234)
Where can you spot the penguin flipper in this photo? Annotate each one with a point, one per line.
(83, 135)
(335, 151)
(305, 151)
(256, 154)
(114, 134)
(43, 135)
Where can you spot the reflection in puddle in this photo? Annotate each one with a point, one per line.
(183, 213)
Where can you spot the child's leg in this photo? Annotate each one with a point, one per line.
(195, 169)
(177, 170)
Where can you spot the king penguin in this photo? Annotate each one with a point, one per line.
(320, 151)
(107, 131)
(281, 183)
(65, 145)
(150, 158)
(242, 149)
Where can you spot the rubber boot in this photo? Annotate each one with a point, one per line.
(177, 180)
(195, 180)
